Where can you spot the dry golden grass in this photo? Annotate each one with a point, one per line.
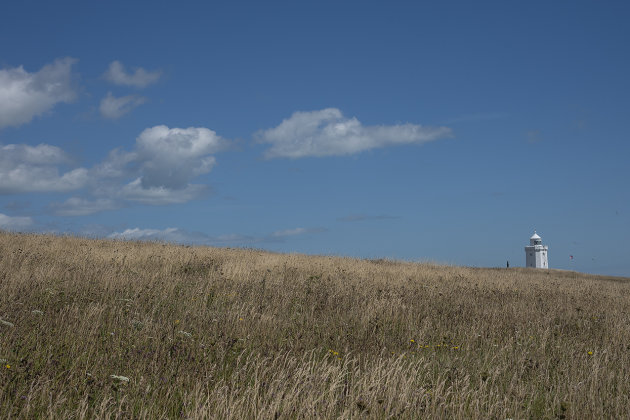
(228, 333)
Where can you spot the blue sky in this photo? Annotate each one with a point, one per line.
(425, 131)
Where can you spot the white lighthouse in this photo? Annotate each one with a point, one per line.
(536, 253)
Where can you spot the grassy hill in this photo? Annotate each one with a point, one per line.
(100, 329)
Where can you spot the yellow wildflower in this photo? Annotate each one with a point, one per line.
(590, 353)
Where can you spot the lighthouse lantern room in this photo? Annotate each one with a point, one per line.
(536, 253)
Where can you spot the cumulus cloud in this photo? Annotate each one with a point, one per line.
(171, 157)
(24, 95)
(117, 75)
(160, 168)
(328, 133)
(75, 206)
(11, 223)
(26, 168)
(113, 107)
(117, 165)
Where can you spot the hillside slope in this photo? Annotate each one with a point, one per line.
(94, 328)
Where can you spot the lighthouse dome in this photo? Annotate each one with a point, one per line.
(535, 239)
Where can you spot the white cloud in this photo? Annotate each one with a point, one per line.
(24, 95)
(183, 143)
(35, 169)
(160, 168)
(115, 166)
(168, 235)
(160, 195)
(328, 133)
(10, 223)
(75, 206)
(146, 234)
(171, 157)
(117, 75)
(113, 107)
(158, 171)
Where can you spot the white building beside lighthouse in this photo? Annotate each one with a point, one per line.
(536, 253)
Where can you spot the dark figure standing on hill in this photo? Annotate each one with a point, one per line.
(508, 264)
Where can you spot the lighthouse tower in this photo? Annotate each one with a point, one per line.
(536, 253)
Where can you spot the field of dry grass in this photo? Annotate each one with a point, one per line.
(106, 329)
